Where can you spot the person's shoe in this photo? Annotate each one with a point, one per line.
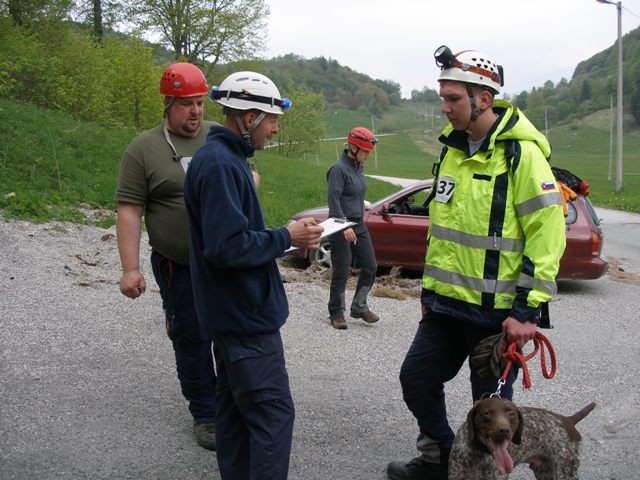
(339, 323)
(367, 316)
(205, 434)
(417, 469)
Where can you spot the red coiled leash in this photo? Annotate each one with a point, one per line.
(511, 355)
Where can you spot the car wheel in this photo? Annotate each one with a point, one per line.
(321, 256)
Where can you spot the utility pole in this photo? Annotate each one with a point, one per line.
(610, 135)
(546, 123)
(619, 110)
(375, 150)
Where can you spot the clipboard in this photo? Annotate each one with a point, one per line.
(331, 226)
(334, 225)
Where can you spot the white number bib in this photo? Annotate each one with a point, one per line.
(445, 188)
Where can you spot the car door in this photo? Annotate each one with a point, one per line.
(399, 237)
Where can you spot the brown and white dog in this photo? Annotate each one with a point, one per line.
(498, 435)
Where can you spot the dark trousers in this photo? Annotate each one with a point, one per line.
(255, 412)
(191, 343)
(342, 254)
(439, 349)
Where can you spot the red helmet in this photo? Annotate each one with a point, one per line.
(183, 80)
(362, 138)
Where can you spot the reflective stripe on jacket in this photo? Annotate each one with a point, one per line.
(494, 248)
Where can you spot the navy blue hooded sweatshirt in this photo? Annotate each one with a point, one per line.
(236, 282)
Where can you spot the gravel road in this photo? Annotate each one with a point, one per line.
(89, 391)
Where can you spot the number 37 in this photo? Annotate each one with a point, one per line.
(445, 189)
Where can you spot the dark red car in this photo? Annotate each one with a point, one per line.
(398, 226)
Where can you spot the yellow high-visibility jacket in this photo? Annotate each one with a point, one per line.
(497, 230)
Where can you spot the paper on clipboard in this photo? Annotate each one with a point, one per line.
(334, 225)
(331, 225)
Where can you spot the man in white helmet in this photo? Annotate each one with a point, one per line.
(495, 239)
(238, 291)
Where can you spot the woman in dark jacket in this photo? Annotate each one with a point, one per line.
(346, 191)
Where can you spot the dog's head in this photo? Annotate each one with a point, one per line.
(492, 424)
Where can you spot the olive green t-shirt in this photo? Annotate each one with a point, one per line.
(150, 176)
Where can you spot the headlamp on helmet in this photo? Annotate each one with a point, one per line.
(444, 57)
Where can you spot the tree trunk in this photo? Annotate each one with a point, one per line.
(16, 11)
(98, 29)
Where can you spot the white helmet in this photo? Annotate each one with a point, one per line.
(250, 91)
(469, 66)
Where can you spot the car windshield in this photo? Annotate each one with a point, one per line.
(420, 194)
(592, 211)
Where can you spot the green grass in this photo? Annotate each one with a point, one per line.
(585, 152)
(291, 185)
(51, 164)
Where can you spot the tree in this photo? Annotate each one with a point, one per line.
(521, 100)
(373, 99)
(199, 30)
(98, 28)
(585, 90)
(31, 12)
(302, 127)
(426, 95)
(99, 14)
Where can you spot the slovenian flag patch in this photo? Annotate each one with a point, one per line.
(546, 186)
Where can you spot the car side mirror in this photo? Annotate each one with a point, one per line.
(384, 210)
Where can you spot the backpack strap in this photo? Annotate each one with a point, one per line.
(435, 171)
(512, 152)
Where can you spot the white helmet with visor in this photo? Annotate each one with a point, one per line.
(250, 91)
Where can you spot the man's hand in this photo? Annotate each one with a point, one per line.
(519, 332)
(305, 233)
(132, 284)
(128, 224)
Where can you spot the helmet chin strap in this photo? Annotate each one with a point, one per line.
(354, 153)
(246, 132)
(475, 110)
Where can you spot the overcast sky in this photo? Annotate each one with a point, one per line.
(534, 40)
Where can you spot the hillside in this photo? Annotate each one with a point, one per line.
(592, 87)
(55, 167)
(65, 124)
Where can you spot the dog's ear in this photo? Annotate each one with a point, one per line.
(471, 423)
(517, 435)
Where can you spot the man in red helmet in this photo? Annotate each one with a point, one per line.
(346, 190)
(151, 183)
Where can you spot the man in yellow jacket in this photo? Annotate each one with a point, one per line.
(495, 240)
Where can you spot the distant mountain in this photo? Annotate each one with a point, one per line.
(340, 85)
